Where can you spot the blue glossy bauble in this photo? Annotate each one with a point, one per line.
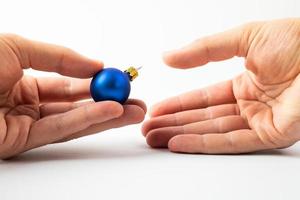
(110, 84)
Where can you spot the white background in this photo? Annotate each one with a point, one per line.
(118, 164)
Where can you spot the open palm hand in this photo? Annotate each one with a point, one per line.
(258, 110)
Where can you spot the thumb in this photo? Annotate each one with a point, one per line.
(221, 46)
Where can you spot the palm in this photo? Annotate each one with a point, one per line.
(256, 110)
(19, 109)
(267, 94)
(263, 111)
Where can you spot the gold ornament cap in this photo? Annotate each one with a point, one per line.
(132, 72)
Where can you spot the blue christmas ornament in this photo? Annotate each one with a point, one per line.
(112, 84)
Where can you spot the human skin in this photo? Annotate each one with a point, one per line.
(257, 110)
(39, 111)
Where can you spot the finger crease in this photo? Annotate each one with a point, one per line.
(210, 113)
(59, 65)
(207, 51)
(206, 97)
(218, 123)
(180, 103)
(204, 144)
(176, 119)
(87, 119)
(229, 137)
(68, 88)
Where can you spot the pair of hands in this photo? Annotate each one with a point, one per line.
(257, 110)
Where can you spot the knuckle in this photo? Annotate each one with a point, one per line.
(177, 120)
(59, 124)
(180, 103)
(231, 144)
(86, 116)
(218, 124)
(59, 64)
(206, 41)
(208, 113)
(68, 87)
(205, 97)
(65, 52)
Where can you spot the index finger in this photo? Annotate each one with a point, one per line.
(52, 58)
(220, 46)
